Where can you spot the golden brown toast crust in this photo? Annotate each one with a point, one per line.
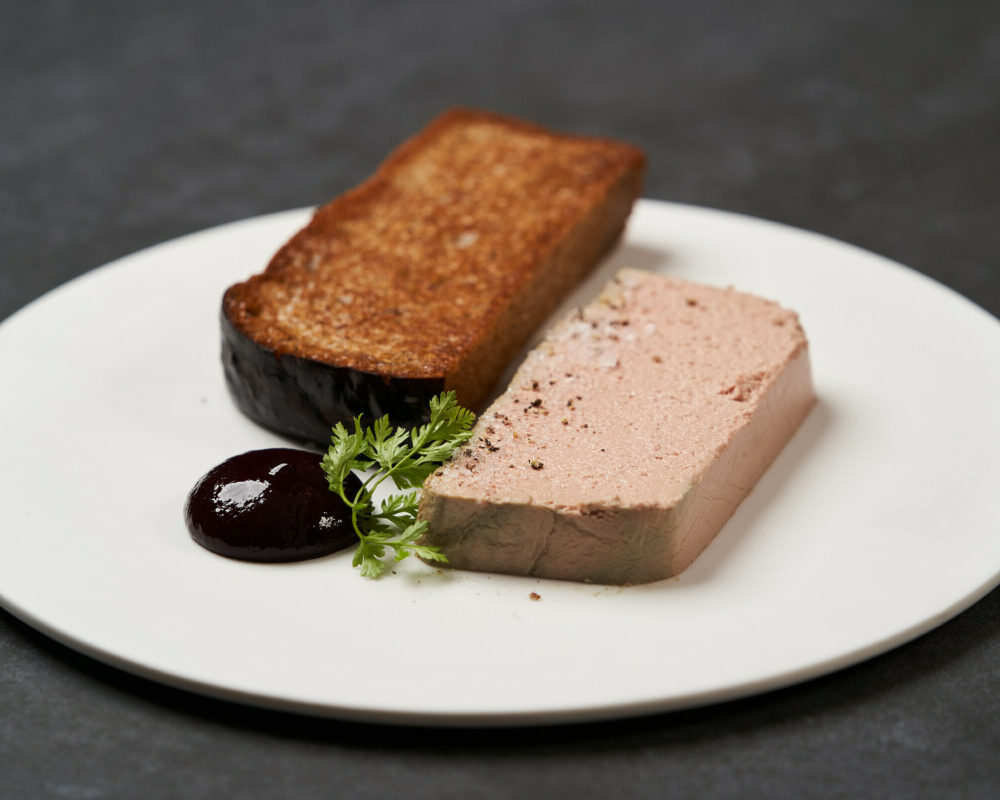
(447, 258)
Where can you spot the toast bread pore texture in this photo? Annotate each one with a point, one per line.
(430, 275)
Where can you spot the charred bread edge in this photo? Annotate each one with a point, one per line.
(302, 398)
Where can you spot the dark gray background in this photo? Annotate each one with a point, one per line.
(125, 124)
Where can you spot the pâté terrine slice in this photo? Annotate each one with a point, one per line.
(627, 438)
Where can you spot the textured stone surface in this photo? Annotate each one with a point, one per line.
(125, 124)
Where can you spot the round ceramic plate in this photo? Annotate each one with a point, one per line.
(876, 523)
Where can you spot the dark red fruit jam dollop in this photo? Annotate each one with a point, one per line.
(269, 505)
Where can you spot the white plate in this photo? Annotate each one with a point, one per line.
(878, 521)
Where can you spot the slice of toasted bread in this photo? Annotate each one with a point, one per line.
(430, 275)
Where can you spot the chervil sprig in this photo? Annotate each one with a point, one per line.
(406, 457)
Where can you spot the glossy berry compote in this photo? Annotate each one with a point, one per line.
(269, 505)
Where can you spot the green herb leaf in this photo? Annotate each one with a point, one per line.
(406, 457)
(398, 509)
(343, 456)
